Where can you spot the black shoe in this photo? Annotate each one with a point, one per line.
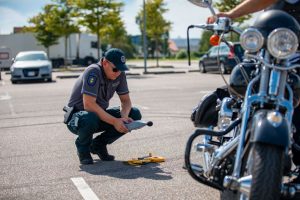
(85, 158)
(101, 151)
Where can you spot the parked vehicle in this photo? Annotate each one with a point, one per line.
(5, 57)
(244, 135)
(221, 57)
(31, 65)
(81, 48)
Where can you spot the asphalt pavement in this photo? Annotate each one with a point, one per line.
(38, 157)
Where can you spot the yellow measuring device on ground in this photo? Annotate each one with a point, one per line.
(146, 159)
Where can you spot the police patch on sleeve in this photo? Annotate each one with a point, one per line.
(92, 79)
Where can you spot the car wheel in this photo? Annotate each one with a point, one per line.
(202, 67)
(223, 69)
(13, 82)
(88, 61)
(49, 80)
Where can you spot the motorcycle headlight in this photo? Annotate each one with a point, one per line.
(251, 40)
(282, 43)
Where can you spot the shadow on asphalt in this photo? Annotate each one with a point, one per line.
(119, 169)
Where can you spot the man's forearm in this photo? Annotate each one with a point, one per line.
(125, 109)
(249, 6)
(102, 114)
(125, 105)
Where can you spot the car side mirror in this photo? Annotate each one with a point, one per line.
(12, 60)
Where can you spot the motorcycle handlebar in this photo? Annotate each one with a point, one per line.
(223, 25)
(272, 66)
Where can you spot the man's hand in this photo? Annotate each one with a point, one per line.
(213, 19)
(244, 8)
(119, 125)
(127, 119)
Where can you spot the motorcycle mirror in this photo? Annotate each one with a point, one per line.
(201, 3)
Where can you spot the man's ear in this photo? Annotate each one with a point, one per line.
(104, 63)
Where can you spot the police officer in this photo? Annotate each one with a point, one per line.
(90, 99)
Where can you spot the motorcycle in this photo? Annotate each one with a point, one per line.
(246, 133)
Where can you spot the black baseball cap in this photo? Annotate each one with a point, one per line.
(116, 57)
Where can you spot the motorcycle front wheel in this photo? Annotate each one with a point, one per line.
(266, 169)
(265, 163)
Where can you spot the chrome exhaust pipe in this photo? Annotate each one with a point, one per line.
(244, 185)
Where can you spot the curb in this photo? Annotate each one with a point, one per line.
(152, 67)
(133, 74)
(194, 70)
(166, 72)
(77, 75)
(67, 76)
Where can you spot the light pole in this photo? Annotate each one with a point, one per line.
(145, 39)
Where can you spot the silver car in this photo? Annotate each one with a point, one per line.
(31, 65)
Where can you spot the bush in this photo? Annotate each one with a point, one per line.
(181, 54)
(196, 54)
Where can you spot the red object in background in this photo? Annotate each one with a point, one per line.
(214, 40)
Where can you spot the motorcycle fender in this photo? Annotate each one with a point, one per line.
(264, 131)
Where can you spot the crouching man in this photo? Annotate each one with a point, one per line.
(90, 100)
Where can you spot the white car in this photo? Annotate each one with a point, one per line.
(31, 65)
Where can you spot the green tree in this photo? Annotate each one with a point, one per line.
(204, 44)
(44, 36)
(114, 33)
(60, 21)
(227, 5)
(156, 26)
(100, 17)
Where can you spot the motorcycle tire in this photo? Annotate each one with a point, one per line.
(296, 197)
(266, 170)
(229, 195)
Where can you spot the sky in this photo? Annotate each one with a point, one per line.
(181, 14)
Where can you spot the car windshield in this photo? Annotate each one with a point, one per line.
(33, 56)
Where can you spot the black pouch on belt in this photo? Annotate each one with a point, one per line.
(68, 115)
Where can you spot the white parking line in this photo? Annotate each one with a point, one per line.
(204, 92)
(5, 97)
(142, 107)
(11, 107)
(12, 110)
(84, 189)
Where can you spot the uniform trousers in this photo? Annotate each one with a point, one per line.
(85, 124)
